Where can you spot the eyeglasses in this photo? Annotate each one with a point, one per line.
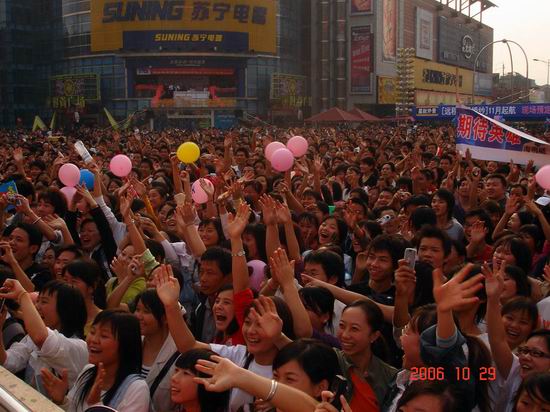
(535, 353)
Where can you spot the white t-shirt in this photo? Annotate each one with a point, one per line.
(237, 354)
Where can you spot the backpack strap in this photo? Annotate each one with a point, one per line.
(121, 391)
(248, 360)
(163, 373)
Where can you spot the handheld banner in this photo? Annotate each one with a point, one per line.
(489, 139)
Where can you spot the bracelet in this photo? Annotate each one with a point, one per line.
(37, 220)
(240, 253)
(20, 296)
(271, 394)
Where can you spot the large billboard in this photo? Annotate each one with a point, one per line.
(441, 77)
(389, 30)
(230, 26)
(460, 43)
(424, 34)
(386, 90)
(289, 91)
(361, 60)
(73, 90)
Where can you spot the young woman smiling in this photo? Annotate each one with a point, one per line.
(113, 376)
(262, 331)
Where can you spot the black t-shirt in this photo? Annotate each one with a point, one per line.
(385, 298)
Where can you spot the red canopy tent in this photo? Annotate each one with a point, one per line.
(367, 117)
(334, 115)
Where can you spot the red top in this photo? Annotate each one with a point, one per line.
(241, 301)
(363, 398)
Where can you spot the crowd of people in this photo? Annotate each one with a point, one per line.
(386, 271)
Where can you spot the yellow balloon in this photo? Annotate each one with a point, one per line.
(188, 152)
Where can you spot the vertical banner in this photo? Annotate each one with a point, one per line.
(361, 60)
(489, 139)
(360, 7)
(389, 30)
(424, 33)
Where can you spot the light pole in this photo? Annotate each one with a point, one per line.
(506, 42)
(547, 70)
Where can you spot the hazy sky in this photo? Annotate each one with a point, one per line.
(527, 22)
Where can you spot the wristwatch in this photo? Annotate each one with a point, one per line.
(240, 253)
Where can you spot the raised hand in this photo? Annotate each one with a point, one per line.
(237, 223)
(7, 254)
(281, 268)
(136, 267)
(56, 387)
(119, 267)
(265, 313)
(268, 206)
(168, 288)
(138, 186)
(283, 213)
(494, 282)
(94, 396)
(18, 154)
(221, 372)
(326, 406)
(55, 222)
(209, 190)
(22, 204)
(457, 292)
(512, 206)
(185, 214)
(478, 232)
(85, 193)
(405, 278)
(11, 289)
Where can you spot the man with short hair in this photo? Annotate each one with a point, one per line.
(433, 245)
(495, 185)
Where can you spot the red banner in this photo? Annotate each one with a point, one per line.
(361, 60)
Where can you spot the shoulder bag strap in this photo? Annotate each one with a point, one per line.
(163, 373)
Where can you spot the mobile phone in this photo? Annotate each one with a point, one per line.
(410, 257)
(384, 219)
(338, 388)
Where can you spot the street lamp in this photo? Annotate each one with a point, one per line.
(548, 68)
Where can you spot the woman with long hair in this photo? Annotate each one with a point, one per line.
(188, 394)
(112, 377)
(54, 332)
(85, 275)
(159, 349)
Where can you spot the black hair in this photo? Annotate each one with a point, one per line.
(342, 229)
(498, 176)
(395, 245)
(522, 304)
(536, 385)
(34, 234)
(208, 401)
(309, 217)
(332, 263)
(219, 255)
(283, 311)
(360, 203)
(125, 329)
(375, 320)
(68, 248)
(217, 225)
(435, 232)
(156, 249)
(54, 197)
(541, 333)
(362, 195)
(151, 301)
(443, 390)
(519, 249)
(70, 307)
(482, 215)
(258, 232)
(405, 181)
(422, 215)
(91, 274)
(319, 300)
(318, 360)
(518, 275)
(448, 198)
(536, 233)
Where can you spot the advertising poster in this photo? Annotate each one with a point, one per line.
(424, 33)
(228, 26)
(389, 30)
(361, 7)
(489, 139)
(386, 90)
(361, 60)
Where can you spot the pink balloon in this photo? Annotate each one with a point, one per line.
(258, 274)
(271, 148)
(197, 192)
(282, 160)
(543, 177)
(120, 165)
(69, 174)
(297, 145)
(69, 193)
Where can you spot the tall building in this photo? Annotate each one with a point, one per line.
(355, 51)
(184, 63)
